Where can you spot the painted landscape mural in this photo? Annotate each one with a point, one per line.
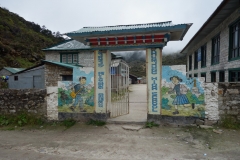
(181, 96)
(77, 95)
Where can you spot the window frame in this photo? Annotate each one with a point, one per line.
(196, 59)
(231, 43)
(205, 75)
(230, 71)
(190, 76)
(67, 77)
(221, 76)
(215, 76)
(195, 75)
(203, 56)
(69, 57)
(190, 63)
(215, 56)
(15, 78)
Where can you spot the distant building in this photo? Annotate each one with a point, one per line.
(6, 71)
(214, 51)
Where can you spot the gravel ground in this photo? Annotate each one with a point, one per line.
(113, 142)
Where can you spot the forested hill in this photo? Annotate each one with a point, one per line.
(21, 41)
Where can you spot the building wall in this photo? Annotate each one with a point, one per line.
(26, 79)
(224, 64)
(5, 72)
(85, 58)
(53, 74)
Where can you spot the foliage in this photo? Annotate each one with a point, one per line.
(194, 99)
(164, 90)
(151, 124)
(69, 123)
(96, 122)
(165, 104)
(21, 119)
(3, 85)
(230, 123)
(21, 41)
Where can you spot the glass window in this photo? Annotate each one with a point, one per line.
(234, 76)
(203, 56)
(203, 75)
(195, 75)
(190, 63)
(64, 58)
(190, 76)
(234, 41)
(213, 76)
(71, 58)
(15, 78)
(75, 58)
(221, 76)
(195, 59)
(215, 49)
(67, 77)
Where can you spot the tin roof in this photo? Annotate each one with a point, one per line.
(62, 64)
(225, 9)
(123, 27)
(13, 70)
(177, 31)
(68, 45)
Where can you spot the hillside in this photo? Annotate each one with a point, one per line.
(137, 61)
(21, 41)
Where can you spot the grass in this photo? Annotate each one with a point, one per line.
(229, 123)
(69, 123)
(96, 122)
(151, 124)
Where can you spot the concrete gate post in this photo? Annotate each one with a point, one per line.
(102, 60)
(154, 79)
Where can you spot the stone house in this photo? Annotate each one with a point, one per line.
(214, 51)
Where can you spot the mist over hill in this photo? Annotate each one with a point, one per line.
(137, 60)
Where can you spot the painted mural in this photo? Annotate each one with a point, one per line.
(181, 96)
(77, 95)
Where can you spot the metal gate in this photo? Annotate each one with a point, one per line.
(119, 88)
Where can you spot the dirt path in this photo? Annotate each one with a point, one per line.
(112, 142)
(137, 105)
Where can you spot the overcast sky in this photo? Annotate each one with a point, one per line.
(71, 15)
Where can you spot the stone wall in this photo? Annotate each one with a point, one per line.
(53, 74)
(224, 63)
(229, 100)
(24, 100)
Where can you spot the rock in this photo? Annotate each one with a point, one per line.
(132, 127)
(199, 122)
(206, 127)
(209, 122)
(217, 131)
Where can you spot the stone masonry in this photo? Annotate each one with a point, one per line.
(23, 100)
(229, 100)
(53, 74)
(224, 64)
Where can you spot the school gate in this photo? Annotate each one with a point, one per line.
(151, 37)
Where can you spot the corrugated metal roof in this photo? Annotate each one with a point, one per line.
(14, 70)
(124, 27)
(68, 45)
(63, 64)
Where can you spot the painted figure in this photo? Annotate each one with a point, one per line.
(181, 98)
(78, 92)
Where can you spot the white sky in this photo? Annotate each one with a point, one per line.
(70, 15)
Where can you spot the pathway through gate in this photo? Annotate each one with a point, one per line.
(137, 105)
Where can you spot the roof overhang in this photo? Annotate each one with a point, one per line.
(224, 10)
(138, 36)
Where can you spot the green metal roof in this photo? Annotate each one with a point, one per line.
(68, 45)
(14, 70)
(63, 64)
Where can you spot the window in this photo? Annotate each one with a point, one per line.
(195, 75)
(190, 76)
(15, 78)
(203, 56)
(234, 75)
(215, 49)
(221, 76)
(234, 46)
(67, 77)
(213, 76)
(203, 75)
(196, 60)
(190, 63)
(71, 58)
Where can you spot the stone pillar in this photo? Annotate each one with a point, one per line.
(102, 61)
(154, 78)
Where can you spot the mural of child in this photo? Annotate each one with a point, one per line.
(79, 91)
(180, 98)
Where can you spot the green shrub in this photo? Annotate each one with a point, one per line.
(151, 124)
(230, 123)
(96, 122)
(69, 123)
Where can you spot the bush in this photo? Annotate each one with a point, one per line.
(96, 122)
(230, 123)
